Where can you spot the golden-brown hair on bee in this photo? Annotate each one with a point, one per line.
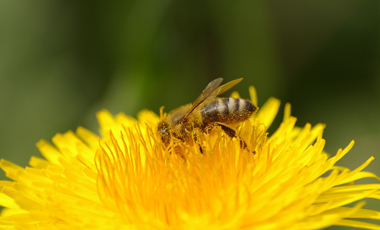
(207, 112)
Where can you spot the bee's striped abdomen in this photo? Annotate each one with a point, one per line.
(227, 110)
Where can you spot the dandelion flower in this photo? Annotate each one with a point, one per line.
(127, 179)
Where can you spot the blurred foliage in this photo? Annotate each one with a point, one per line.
(61, 61)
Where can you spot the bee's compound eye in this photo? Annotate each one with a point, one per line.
(163, 130)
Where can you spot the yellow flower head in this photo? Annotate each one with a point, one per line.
(129, 179)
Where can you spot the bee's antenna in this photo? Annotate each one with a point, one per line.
(162, 111)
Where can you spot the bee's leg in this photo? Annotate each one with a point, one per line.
(200, 148)
(196, 141)
(232, 133)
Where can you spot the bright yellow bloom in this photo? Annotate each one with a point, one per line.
(128, 180)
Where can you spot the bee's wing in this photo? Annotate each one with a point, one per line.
(207, 92)
(210, 93)
(226, 87)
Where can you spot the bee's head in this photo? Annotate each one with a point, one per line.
(164, 130)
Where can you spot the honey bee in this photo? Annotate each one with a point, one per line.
(205, 113)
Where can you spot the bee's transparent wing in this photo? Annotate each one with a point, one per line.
(210, 93)
(226, 87)
(216, 93)
(210, 88)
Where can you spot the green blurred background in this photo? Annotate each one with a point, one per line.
(61, 61)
